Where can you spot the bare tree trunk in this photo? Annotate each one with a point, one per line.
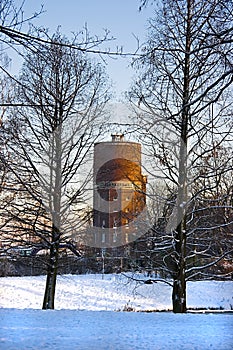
(179, 287)
(49, 294)
(55, 197)
(179, 283)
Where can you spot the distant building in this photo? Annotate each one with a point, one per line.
(119, 191)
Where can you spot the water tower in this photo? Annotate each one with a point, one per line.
(119, 191)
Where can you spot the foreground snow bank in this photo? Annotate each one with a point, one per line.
(87, 330)
(110, 293)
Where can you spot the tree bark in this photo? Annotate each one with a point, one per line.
(179, 283)
(49, 294)
(179, 286)
(55, 196)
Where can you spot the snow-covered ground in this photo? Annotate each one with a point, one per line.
(110, 293)
(104, 330)
(85, 317)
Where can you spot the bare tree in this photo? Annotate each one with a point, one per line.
(6, 196)
(12, 20)
(66, 95)
(210, 216)
(182, 101)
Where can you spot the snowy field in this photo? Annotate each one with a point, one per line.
(111, 293)
(86, 315)
(103, 330)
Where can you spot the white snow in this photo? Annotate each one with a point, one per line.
(112, 292)
(86, 315)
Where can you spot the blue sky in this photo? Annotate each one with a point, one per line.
(121, 17)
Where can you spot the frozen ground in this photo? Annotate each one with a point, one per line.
(86, 317)
(110, 293)
(104, 330)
